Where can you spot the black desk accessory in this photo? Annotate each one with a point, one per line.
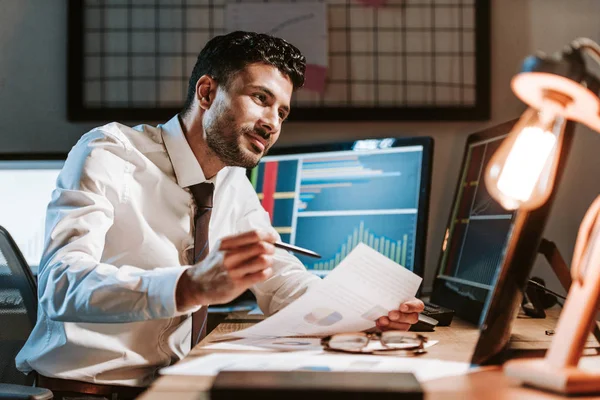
(560, 268)
(315, 385)
(442, 314)
(537, 298)
(424, 324)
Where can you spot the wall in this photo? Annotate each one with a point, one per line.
(33, 103)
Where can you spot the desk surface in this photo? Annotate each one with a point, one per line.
(456, 343)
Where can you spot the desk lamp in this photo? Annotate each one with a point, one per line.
(520, 175)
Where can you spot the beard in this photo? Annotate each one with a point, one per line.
(226, 140)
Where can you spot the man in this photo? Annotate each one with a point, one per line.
(120, 274)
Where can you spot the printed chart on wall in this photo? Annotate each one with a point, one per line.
(330, 202)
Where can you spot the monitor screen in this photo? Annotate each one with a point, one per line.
(476, 234)
(329, 198)
(26, 185)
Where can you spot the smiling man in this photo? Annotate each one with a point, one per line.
(149, 225)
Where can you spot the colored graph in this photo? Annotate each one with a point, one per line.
(480, 226)
(482, 250)
(360, 182)
(275, 183)
(334, 238)
(323, 317)
(329, 203)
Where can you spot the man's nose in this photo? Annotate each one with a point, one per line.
(270, 121)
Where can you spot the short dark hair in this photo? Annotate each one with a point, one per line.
(223, 56)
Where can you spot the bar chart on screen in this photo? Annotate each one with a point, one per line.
(331, 202)
(346, 232)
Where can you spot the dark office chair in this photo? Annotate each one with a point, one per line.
(18, 313)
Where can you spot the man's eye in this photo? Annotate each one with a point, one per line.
(261, 97)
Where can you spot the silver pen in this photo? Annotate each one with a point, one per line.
(297, 249)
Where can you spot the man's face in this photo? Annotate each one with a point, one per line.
(245, 119)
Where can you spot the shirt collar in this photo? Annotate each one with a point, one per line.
(187, 169)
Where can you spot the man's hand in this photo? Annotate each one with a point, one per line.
(402, 318)
(239, 262)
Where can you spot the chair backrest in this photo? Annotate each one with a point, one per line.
(18, 308)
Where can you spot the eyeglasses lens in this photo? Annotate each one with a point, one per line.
(399, 341)
(348, 342)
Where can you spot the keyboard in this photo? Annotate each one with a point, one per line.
(442, 314)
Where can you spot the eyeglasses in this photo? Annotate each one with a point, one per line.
(398, 342)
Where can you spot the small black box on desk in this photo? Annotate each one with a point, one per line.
(315, 385)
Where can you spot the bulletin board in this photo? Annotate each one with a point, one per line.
(427, 60)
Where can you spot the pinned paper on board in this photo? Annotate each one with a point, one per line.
(302, 24)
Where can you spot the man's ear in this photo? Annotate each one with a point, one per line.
(206, 88)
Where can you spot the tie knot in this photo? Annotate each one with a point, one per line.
(203, 194)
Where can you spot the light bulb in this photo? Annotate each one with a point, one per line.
(521, 172)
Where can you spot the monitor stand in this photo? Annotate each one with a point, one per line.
(550, 252)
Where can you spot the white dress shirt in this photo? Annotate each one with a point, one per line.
(119, 229)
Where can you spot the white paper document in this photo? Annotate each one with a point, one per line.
(210, 365)
(268, 344)
(363, 287)
(303, 24)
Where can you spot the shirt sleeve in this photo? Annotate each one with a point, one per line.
(73, 284)
(290, 279)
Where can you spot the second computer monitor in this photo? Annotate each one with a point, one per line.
(26, 185)
(329, 198)
(476, 235)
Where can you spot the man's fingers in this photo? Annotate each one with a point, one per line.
(412, 306)
(410, 318)
(252, 266)
(394, 315)
(238, 257)
(243, 239)
(395, 326)
(252, 279)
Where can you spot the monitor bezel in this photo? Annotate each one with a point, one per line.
(425, 185)
(33, 156)
(467, 309)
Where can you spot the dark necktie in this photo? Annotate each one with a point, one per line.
(203, 196)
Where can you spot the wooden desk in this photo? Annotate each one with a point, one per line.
(456, 343)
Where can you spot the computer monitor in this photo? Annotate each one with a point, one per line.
(473, 277)
(26, 185)
(328, 198)
(503, 303)
(476, 233)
